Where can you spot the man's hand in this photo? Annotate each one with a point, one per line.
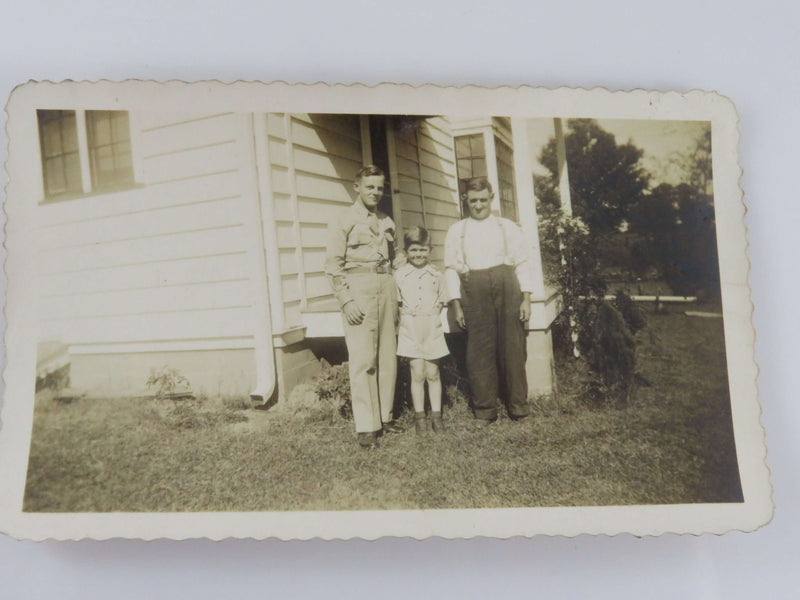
(458, 314)
(525, 307)
(353, 313)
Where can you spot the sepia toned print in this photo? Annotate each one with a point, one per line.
(193, 342)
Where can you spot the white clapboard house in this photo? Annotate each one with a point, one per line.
(197, 241)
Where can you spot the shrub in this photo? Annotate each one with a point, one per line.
(166, 381)
(333, 386)
(610, 351)
(188, 415)
(305, 404)
(633, 315)
(55, 380)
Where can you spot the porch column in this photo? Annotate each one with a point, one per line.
(563, 170)
(539, 366)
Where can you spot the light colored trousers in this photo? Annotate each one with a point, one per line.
(372, 348)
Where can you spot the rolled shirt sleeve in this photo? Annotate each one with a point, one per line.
(334, 261)
(452, 281)
(522, 255)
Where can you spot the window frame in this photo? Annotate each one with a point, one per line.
(90, 184)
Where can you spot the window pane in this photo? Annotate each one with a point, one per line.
(58, 136)
(72, 172)
(120, 130)
(462, 147)
(122, 157)
(104, 159)
(476, 141)
(69, 132)
(51, 138)
(464, 168)
(108, 133)
(101, 134)
(505, 177)
(479, 167)
(54, 181)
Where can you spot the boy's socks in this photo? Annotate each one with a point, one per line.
(420, 422)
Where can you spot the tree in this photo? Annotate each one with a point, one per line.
(605, 178)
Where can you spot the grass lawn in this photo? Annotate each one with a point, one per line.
(673, 444)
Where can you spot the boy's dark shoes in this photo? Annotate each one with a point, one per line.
(436, 422)
(421, 424)
(521, 418)
(392, 427)
(481, 423)
(368, 440)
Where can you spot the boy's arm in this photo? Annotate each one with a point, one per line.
(334, 262)
(451, 279)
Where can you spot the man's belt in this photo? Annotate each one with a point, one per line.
(370, 268)
(419, 313)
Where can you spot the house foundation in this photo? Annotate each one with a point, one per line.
(211, 372)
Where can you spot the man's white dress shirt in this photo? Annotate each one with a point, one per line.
(471, 245)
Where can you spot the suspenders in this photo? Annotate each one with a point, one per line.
(464, 233)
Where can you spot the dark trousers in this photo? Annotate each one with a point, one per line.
(496, 350)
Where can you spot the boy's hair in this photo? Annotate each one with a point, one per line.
(476, 184)
(417, 235)
(368, 171)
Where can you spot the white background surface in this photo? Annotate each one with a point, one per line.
(748, 52)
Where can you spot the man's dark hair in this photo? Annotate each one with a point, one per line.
(368, 171)
(417, 235)
(476, 184)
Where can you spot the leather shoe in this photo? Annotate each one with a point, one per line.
(368, 440)
(436, 422)
(392, 427)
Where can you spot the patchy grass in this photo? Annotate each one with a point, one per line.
(672, 444)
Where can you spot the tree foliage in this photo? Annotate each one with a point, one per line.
(605, 178)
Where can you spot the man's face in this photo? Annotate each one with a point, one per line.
(370, 191)
(418, 254)
(479, 203)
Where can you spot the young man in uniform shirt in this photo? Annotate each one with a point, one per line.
(489, 278)
(361, 249)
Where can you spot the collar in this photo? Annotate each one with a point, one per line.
(480, 222)
(360, 210)
(408, 269)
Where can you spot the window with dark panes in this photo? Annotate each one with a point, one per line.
(109, 139)
(470, 158)
(505, 180)
(61, 165)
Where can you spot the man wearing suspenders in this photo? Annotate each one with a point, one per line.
(361, 248)
(489, 278)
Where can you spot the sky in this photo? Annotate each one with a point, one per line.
(660, 140)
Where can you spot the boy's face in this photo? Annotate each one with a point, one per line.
(479, 203)
(370, 191)
(418, 255)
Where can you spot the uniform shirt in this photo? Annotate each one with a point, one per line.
(357, 238)
(420, 290)
(487, 243)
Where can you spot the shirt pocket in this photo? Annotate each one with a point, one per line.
(359, 236)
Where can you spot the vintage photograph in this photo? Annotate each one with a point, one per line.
(280, 311)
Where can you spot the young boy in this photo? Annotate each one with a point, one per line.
(489, 282)
(421, 296)
(361, 248)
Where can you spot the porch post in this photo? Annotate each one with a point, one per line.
(563, 170)
(539, 365)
